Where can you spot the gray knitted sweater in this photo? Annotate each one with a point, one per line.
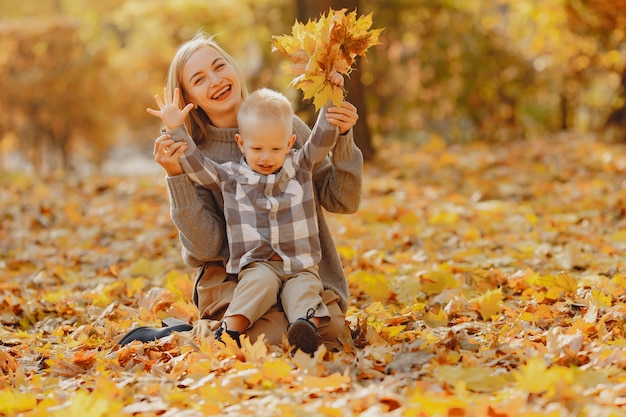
(198, 212)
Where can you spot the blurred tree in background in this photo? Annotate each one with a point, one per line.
(77, 76)
(495, 70)
(604, 22)
(134, 41)
(48, 84)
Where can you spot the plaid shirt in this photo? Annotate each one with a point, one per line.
(267, 214)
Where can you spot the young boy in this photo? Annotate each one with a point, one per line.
(270, 216)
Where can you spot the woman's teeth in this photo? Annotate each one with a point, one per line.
(221, 92)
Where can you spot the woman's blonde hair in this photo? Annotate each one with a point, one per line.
(197, 120)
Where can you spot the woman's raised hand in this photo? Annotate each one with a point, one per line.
(169, 112)
(344, 117)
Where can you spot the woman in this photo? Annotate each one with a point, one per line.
(210, 81)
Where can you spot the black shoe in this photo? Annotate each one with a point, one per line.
(149, 334)
(234, 334)
(303, 335)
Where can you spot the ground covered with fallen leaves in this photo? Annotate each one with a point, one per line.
(486, 280)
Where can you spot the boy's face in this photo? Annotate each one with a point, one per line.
(265, 146)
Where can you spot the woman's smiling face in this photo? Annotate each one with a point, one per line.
(212, 84)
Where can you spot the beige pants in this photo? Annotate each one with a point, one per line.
(214, 291)
(260, 283)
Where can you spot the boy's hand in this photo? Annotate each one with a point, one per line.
(169, 112)
(167, 152)
(336, 78)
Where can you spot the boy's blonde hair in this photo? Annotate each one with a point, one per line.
(197, 120)
(265, 105)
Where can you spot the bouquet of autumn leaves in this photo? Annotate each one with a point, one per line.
(318, 49)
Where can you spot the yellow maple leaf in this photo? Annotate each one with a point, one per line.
(601, 299)
(558, 285)
(434, 282)
(331, 412)
(185, 311)
(490, 303)
(55, 296)
(179, 284)
(84, 403)
(216, 394)
(535, 377)
(311, 85)
(14, 402)
(435, 404)
(377, 315)
(476, 378)
(276, 370)
(331, 383)
(135, 286)
(253, 351)
(436, 319)
(393, 331)
(373, 284)
(147, 267)
(318, 49)
(312, 365)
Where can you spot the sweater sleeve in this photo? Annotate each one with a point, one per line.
(339, 178)
(196, 213)
(200, 169)
(322, 139)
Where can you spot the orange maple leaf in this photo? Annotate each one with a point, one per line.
(8, 364)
